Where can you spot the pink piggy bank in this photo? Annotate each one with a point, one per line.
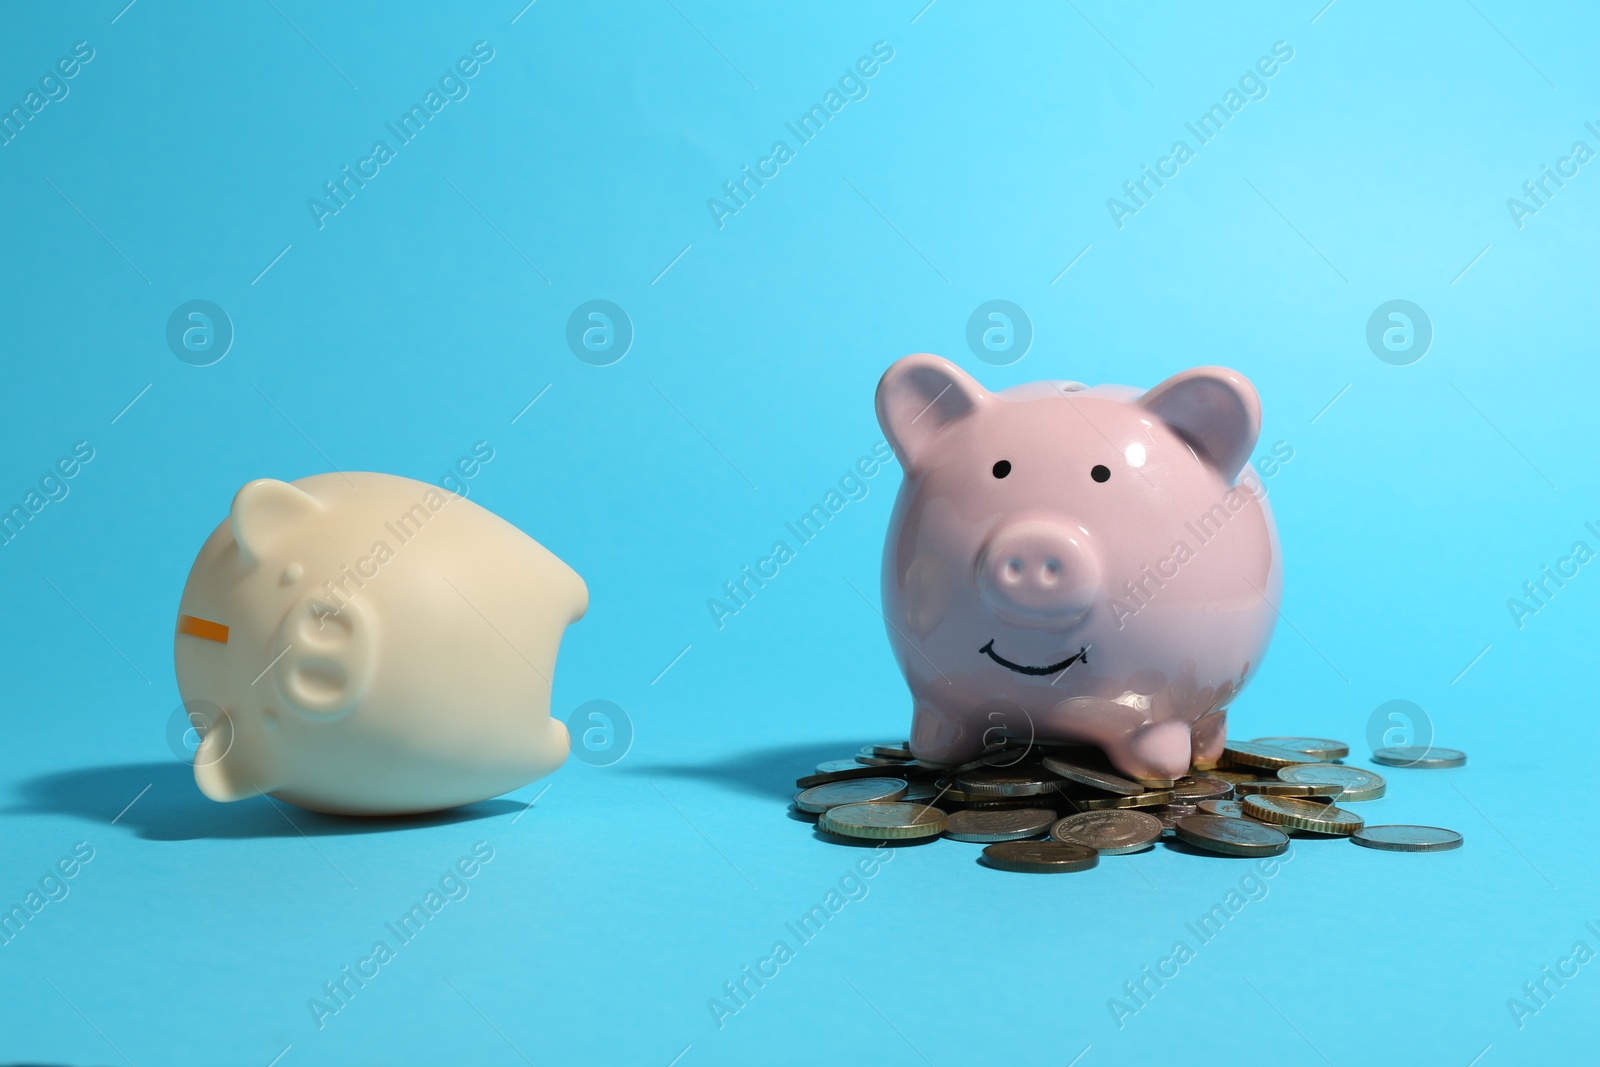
(1068, 563)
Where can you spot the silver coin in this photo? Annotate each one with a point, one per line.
(1318, 747)
(1074, 771)
(850, 770)
(1397, 838)
(1112, 832)
(819, 798)
(1040, 857)
(1348, 783)
(1002, 824)
(1005, 782)
(1195, 788)
(833, 765)
(1233, 837)
(1419, 756)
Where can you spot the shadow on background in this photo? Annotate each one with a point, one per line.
(174, 809)
(763, 772)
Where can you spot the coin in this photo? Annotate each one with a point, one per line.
(883, 822)
(1278, 788)
(1251, 754)
(867, 758)
(1195, 788)
(820, 798)
(1091, 776)
(1040, 857)
(1303, 814)
(1010, 824)
(921, 792)
(1229, 774)
(1005, 782)
(1232, 809)
(1353, 783)
(1151, 799)
(1009, 755)
(1317, 747)
(850, 770)
(895, 750)
(832, 765)
(1233, 837)
(1112, 832)
(1419, 756)
(1408, 838)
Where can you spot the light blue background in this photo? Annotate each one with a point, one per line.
(415, 324)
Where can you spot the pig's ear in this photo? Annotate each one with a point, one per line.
(264, 512)
(918, 398)
(1213, 408)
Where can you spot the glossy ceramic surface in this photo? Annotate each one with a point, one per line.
(1076, 564)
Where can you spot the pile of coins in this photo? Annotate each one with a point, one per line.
(1055, 808)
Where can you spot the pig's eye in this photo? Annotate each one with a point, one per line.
(1100, 472)
(1002, 468)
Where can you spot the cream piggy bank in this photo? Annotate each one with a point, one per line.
(371, 645)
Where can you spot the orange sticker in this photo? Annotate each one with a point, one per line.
(195, 627)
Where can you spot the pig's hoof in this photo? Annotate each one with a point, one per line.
(940, 738)
(1159, 751)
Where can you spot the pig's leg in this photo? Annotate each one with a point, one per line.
(1208, 735)
(941, 734)
(1159, 750)
(1136, 746)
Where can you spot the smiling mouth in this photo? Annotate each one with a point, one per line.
(1080, 656)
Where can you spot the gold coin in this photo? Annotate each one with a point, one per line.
(1251, 754)
(1303, 814)
(1277, 787)
(1139, 800)
(883, 822)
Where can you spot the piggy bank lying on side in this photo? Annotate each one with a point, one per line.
(1076, 564)
(367, 644)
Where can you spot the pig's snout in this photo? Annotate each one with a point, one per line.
(1039, 572)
